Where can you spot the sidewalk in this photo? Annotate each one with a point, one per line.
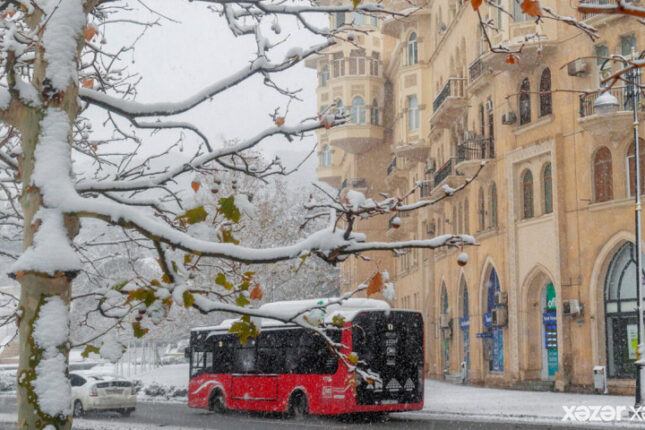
(448, 400)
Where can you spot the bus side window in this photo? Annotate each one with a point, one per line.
(270, 352)
(222, 355)
(244, 357)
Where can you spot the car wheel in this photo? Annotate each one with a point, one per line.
(298, 406)
(218, 405)
(78, 409)
(126, 412)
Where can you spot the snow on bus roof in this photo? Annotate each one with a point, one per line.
(286, 310)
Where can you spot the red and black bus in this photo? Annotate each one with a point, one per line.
(291, 369)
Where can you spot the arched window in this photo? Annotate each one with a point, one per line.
(466, 217)
(413, 113)
(621, 320)
(358, 111)
(412, 49)
(546, 106)
(602, 176)
(481, 210)
(374, 120)
(527, 194)
(547, 186)
(525, 102)
(631, 163)
(326, 156)
(324, 76)
(492, 203)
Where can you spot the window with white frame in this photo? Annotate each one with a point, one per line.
(358, 111)
(413, 113)
(325, 156)
(413, 53)
(324, 76)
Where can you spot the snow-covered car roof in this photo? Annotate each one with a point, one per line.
(98, 376)
(286, 310)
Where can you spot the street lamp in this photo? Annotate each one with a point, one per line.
(606, 104)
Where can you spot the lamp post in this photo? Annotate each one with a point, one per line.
(606, 104)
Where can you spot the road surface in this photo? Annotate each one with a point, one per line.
(179, 415)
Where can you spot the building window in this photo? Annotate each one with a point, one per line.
(339, 64)
(547, 183)
(454, 220)
(603, 66)
(492, 202)
(482, 120)
(621, 320)
(481, 210)
(412, 50)
(374, 113)
(626, 44)
(518, 14)
(374, 63)
(357, 62)
(546, 106)
(527, 194)
(602, 175)
(525, 102)
(460, 217)
(374, 21)
(357, 18)
(340, 19)
(631, 166)
(324, 76)
(413, 113)
(358, 111)
(326, 156)
(445, 310)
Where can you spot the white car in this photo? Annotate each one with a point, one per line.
(102, 392)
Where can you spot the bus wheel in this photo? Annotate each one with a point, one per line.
(217, 403)
(298, 406)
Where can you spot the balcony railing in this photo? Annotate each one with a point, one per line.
(454, 87)
(444, 171)
(426, 188)
(475, 70)
(476, 148)
(354, 183)
(587, 101)
(595, 2)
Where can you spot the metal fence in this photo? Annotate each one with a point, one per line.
(454, 87)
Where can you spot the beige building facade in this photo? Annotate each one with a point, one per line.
(549, 292)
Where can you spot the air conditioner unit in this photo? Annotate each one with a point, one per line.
(509, 118)
(500, 317)
(572, 307)
(578, 67)
(444, 320)
(501, 298)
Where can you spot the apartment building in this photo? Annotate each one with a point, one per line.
(549, 293)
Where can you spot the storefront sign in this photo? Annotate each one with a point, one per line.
(549, 318)
(484, 335)
(464, 323)
(488, 319)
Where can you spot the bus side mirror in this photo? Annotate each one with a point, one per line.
(187, 352)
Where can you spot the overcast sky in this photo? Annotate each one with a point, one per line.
(177, 59)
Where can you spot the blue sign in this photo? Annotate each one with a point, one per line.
(549, 318)
(464, 323)
(488, 319)
(484, 335)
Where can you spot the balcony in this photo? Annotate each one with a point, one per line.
(397, 174)
(355, 139)
(477, 73)
(358, 184)
(417, 151)
(472, 151)
(533, 54)
(449, 104)
(613, 127)
(329, 175)
(598, 19)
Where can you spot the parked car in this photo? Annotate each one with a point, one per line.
(102, 392)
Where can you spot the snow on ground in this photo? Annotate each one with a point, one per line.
(447, 400)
